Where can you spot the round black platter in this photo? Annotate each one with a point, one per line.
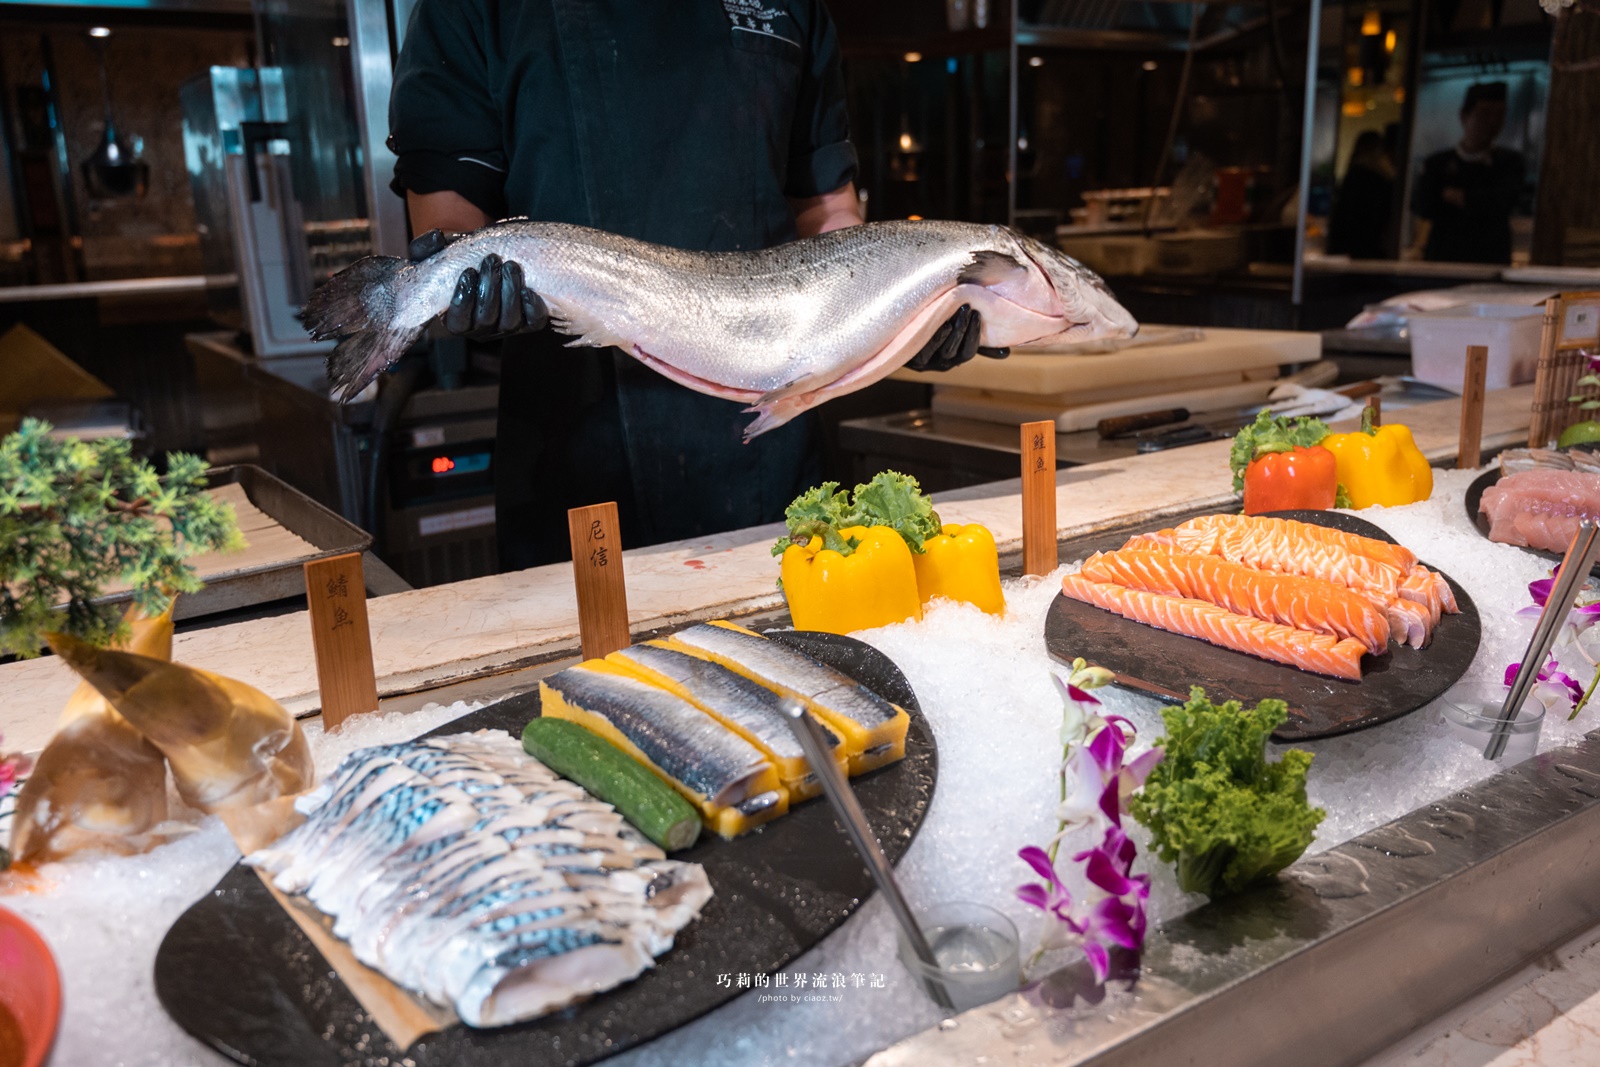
(1149, 660)
(236, 972)
(1481, 521)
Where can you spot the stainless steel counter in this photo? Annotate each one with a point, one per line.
(127, 287)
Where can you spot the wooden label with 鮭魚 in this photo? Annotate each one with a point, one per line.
(597, 571)
(336, 595)
(1039, 550)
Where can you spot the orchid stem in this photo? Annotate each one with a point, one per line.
(1587, 693)
(1061, 778)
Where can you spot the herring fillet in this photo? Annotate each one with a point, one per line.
(781, 329)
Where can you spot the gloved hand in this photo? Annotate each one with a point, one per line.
(955, 342)
(490, 301)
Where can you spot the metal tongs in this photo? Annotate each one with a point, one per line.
(1574, 572)
(845, 805)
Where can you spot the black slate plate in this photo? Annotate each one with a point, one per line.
(1391, 685)
(1481, 521)
(236, 972)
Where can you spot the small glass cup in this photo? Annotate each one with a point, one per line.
(977, 950)
(1473, 719)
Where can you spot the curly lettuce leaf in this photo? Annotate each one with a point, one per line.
(1271, 434)
(1216, 806)
(897, 501)
(826, 504)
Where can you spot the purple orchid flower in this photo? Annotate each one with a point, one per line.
(1053, 896)
(1552, 673)
(1098, 778)
(1583, 615)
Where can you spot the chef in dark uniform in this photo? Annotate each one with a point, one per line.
(1467, 192)
(711, 125)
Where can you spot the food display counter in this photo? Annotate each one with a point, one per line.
(1422, 845)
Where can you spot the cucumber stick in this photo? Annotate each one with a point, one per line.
(658, 810)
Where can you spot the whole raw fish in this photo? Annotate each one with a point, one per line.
(781, 329)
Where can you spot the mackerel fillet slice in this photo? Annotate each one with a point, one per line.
(1318, 653)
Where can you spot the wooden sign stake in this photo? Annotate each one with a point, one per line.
(1470, 453)
(1376, 404)
(336, 594)
(1039, 549)
(597, 571)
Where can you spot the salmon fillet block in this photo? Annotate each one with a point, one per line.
(1304, 603)
(1319, 653)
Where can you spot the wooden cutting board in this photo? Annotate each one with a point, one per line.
(1220, 351)
(1017, 408)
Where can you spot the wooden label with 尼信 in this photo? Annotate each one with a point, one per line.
(337, 598)
(1039, 550)
(597, 572)
(1470, 452)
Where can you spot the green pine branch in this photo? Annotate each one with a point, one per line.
(77, 515)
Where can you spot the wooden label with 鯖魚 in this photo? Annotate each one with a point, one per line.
(597, 571)
(336, 595)
(1039, 551)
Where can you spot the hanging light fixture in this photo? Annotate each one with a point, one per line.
(114, 169)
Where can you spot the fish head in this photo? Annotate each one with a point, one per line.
(1086, 301)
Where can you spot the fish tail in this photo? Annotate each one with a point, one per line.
(770, 417)
(357, 305)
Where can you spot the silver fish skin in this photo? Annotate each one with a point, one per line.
(687, 744)
(734, 697)
(780, 329)
(466, 870)
(793, 670)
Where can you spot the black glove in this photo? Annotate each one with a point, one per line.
(955, 342)
(490, 301)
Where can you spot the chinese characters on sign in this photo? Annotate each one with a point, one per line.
(814, 985)
(337, 601)
(598, 553)
(339, 591)
(1036, 451)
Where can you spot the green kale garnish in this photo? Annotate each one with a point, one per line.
(1216, 806)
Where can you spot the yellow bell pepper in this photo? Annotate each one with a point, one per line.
(1380, 465)
(830, 587)
(961, 563)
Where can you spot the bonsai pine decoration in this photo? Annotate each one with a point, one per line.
(76, 515)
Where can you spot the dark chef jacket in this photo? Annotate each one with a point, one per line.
(1480, 232)
(685, 123)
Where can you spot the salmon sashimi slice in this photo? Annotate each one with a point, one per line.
(1409, 622)
(1419, 588)
(1304, 603)
(1397, 556)
(1274, 549)
(1319, 653)
(1160, 541)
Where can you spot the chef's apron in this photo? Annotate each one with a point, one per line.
(687, 124)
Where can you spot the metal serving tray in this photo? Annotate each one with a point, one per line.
(328, 533)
